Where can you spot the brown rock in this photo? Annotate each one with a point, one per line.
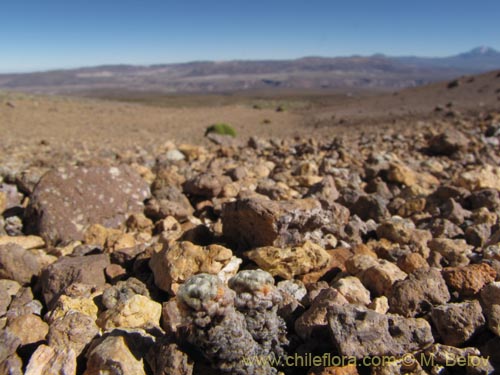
(453, 251)
(74, 331)
(257, 222)
(380, 278)
(52, 361)
(448, 143)
(469, 280)
(173, 265)
(486, 177)
(69, 270)
(66, 202)
(19, 264)
(457, 322)
(171, 317)
(166, 358)
(26, 242)
(418, 293)
(28, 328)
(412, 262)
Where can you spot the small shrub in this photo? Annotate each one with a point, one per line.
(222, 129)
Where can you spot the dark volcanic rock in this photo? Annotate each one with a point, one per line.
(458, 322)
(69, 270)
(359, 332)
(67, 201)
(418, 293)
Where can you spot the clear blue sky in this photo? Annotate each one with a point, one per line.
(46, 34)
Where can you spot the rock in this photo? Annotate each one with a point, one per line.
(469, 280)
(418, 293)
(454, 212)
(18, 264)
(353, 290)
(3, 201)
(26, 242)
(457, 322)
(66, 202)
(478, 235)
(334, 370)
(207, 185)
(370, 207)
(52, 361)
(380, 305)
(66, 304)
(490, 294)
(10, 363)
(258, 222)
(290, 262)
(23, 303)
(488, 198)
(171, 316)
(166, 358)
(312, 323)
(28, 328)
(358, 264)
(493, 318)
(380, 278)
(358, 332)
(74, 331)
(5, 299)
(448, 143)
(137, 311)
(412, 262)
(173, 265)
(486, 177)
(471, 358)
(454, 252)
(403, 232)
(114, 355)
(404, 175)
(69, 270)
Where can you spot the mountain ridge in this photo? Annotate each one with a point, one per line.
(377, 72)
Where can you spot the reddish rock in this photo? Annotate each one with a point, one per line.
(67, 201)
(469, 280)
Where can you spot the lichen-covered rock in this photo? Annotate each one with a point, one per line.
(290, 262)
(173, 265)
(137, 311)
(67, 201)
(74, 331)
(257, 222)
(418, 293)
(457, 322)
(358, 332)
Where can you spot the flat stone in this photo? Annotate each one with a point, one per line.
(19, 264)
(26, 242)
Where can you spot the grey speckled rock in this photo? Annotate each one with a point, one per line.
(458, 322)
(418, 293)
(66, 202)
(359, 332)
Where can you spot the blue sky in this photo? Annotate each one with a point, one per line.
(47, 34)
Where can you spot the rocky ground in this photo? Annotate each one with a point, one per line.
(205, 259)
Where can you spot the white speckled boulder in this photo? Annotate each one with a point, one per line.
(67, 201)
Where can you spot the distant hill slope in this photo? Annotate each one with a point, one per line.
(355, 72)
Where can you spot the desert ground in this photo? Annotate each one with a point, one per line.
(348, 226)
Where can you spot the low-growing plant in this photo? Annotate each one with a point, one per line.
(222, 129)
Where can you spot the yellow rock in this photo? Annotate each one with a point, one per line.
(81, 304)
(136, 312)
(96, 235)
(3, 201)
(290, 262)
(26, 242)
(487, 177)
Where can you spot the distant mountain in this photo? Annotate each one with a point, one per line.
(315, 73)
